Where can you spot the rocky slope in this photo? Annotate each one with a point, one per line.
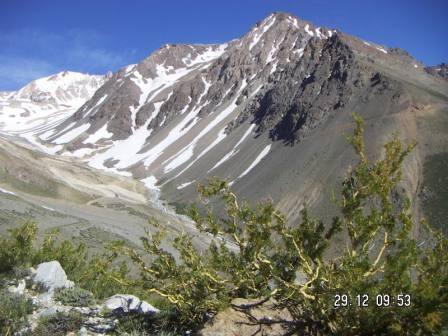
(86, 205)
(267, 111)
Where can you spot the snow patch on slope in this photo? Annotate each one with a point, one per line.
(184, 185)
(72, 134)
(7, 191)
(246, 134)
(258, 34)
(234, 150)
(207, 56)
(124, 152)
(102, 133)
(177, 132)
(224, 159)
(98, 103)
(221, 134)
(257, 160)
(308, 31)
(150, 182)
(35, 111)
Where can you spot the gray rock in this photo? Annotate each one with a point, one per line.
(51, 276)
(54, 310)
(124, 304)
(19, 289)
(87, 311)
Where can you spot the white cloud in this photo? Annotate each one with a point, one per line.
(99, 57)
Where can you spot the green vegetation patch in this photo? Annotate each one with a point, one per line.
(102, 273)
(77, 297)
(59, 324)
(14, 309)
(270, 260)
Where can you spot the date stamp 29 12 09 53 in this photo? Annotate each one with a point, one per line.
(380, 300)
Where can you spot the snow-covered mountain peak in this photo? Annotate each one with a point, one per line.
(67, 87)
(281, 30)
(45, 99)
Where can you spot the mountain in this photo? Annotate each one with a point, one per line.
(45, 102)
(268, 111)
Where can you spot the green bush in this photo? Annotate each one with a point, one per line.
(17, 249)
(256, 255)
(76, 297)
(14, 309)
(59, 324)
(142, 325)
(102, 274)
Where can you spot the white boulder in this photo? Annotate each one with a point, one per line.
(125, 304)
(51, 276)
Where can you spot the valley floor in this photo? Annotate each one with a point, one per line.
(85, 204)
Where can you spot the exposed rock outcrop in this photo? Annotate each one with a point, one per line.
(120, 304)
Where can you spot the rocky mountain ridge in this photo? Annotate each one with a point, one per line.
(438, 70)
(188, 112)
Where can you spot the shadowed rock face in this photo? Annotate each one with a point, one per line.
(305, 93)
(267, 111)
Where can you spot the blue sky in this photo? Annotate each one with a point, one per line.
(38, 38)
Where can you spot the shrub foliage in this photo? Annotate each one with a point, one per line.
(77, 297)
(253, 253)
(101, 274)
(14, 309)
(59, 324)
